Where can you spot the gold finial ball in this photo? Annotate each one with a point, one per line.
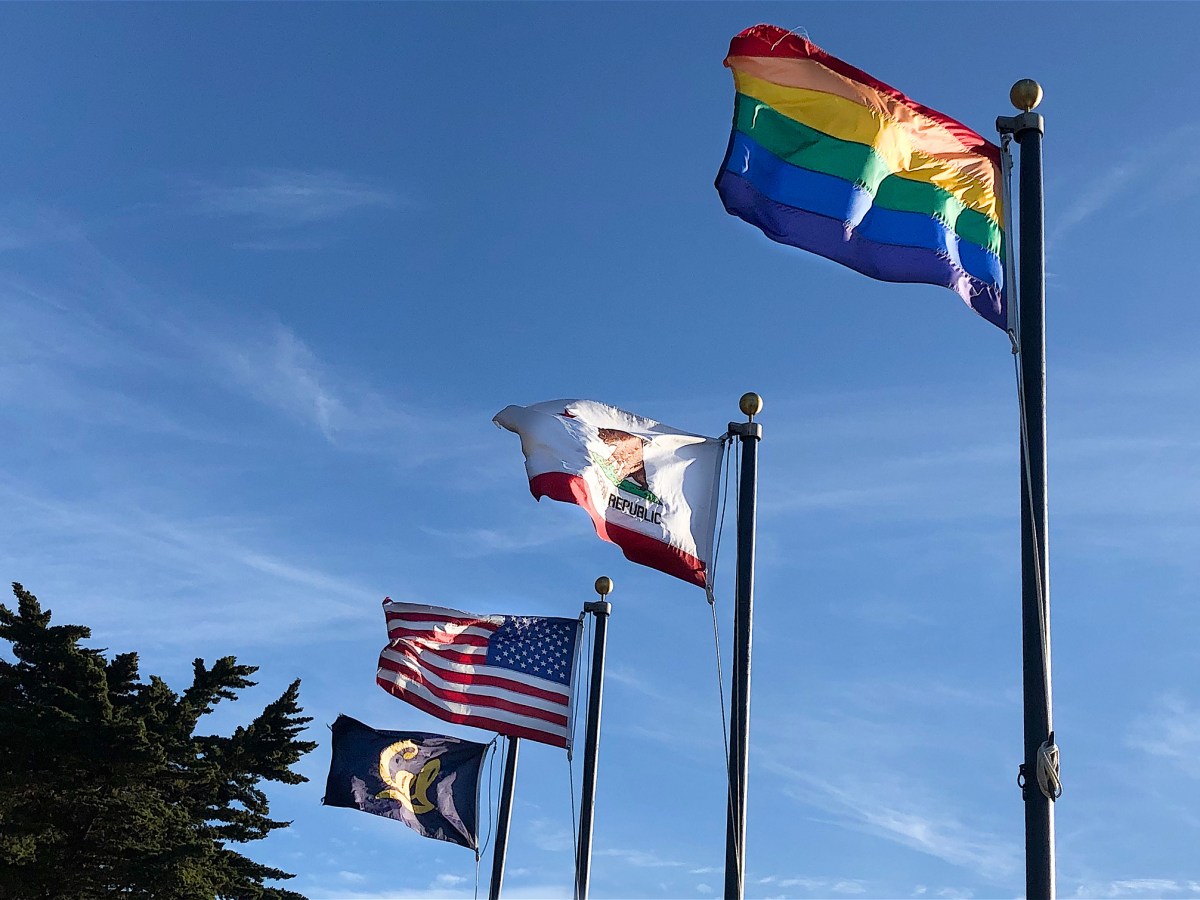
(751, 404)
(604, 585)
(1026, 94)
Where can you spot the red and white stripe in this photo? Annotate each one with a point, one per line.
(637, 547)
(436, 659)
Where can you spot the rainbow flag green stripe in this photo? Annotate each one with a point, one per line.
(796, 143)
(824, 157)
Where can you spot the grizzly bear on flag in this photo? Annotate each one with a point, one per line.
(625, 466)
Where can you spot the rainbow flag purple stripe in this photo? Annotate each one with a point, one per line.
(827, 158)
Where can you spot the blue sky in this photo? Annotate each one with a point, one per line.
(267, 271)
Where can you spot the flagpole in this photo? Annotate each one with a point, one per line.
(1039, 772)
(749, 433)
(503, 818)
(600, 610)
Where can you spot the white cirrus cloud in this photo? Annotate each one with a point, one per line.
(289, 198)
(551, 835)
(1150, 175)
(642, 859)
(900, 814)
(1170, 730)
(1138, 887)
(26, 225)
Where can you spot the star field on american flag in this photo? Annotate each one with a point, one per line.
(534, 645)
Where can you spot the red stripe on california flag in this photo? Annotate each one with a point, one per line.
(637, 547)
(477, 700)
(646, 551)
(546, 737)
(567, 488)
(477, 677)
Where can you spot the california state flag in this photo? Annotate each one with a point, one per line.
(650, 489)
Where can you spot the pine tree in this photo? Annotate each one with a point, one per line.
(106, 789)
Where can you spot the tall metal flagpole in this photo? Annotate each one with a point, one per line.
(600, 610)
(1039, 772)
(749, 433)
(503, 818)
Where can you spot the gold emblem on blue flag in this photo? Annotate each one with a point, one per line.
(430, 782)
(411, 790)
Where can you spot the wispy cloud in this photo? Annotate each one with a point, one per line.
(323, 892)
(283, 373)
(1136, 180)
(887, 611)
(874, 695)
(477, 542)
(1099, 193)
(1171, 731)
(438, 889)
(678, 709)
(143, 423)
(641, 859)
(288, 198)
(24, 225)
(551, 835)
(1126, 475)
(1138, 887)
(824, 886)
(801, 500)
(870, 801)
(911, 481)
(290, 243)
(832, 886)
(934, 831)
(135, 558)
(90, 344)
(276, 368)
(934, 835)
(629, 678)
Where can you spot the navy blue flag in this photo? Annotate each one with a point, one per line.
(430, 782)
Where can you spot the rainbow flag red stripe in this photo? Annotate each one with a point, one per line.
(827, 158)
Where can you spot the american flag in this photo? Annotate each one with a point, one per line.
(508, 674)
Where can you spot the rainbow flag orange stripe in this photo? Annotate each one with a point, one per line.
(827, 158)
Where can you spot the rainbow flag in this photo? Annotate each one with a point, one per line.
(826, 158)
